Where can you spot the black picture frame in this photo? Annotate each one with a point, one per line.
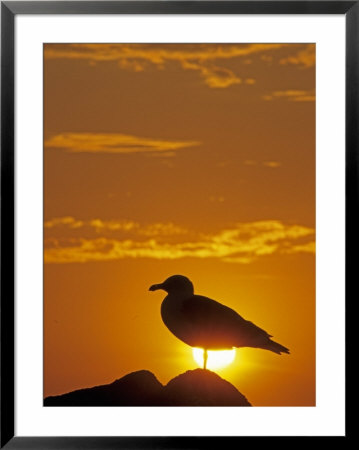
(9, 10)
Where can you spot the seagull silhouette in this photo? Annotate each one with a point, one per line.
(205, 323)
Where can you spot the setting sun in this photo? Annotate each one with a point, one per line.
(216, 358)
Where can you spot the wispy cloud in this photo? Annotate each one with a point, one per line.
(115, 143)
(214, 77)
(308, 247)
(304, 57)
(242, 243)
(292, 95)
(105, 226)
(67, 221)
(270, 164)
(156, 54)
(206, 59)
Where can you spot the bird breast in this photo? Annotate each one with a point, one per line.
(173, 317)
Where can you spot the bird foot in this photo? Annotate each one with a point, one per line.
(205, 357)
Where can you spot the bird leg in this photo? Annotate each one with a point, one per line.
(205, 357)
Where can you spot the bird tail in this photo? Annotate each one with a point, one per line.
(276, 348)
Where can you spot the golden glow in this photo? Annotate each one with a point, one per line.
(192, 159)
(216, 358)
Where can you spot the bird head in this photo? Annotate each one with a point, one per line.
(178, 284)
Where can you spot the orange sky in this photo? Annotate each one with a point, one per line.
(191, 159)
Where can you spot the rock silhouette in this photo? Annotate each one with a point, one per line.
(193, 388)
(202, 388)
(134, 389)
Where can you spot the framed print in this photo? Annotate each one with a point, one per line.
(179, 197)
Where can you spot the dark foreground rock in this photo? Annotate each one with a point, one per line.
(135, 389)
(202, 388)
(193, 388)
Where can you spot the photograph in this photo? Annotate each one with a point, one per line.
(179, 224)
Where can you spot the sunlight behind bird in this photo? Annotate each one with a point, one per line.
(216, 358)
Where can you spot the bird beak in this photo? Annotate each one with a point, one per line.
(155, 287)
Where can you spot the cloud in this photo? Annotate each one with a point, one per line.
(218, 77)
(64, 221)
(214, 77)
(308, 247)
(115, 143)
(305, 58)
(157, 54)
(203, 58)
(292, 95)
(112, 225)
(270, 164)
(216, 198)
(242, 243)
(126, 226)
